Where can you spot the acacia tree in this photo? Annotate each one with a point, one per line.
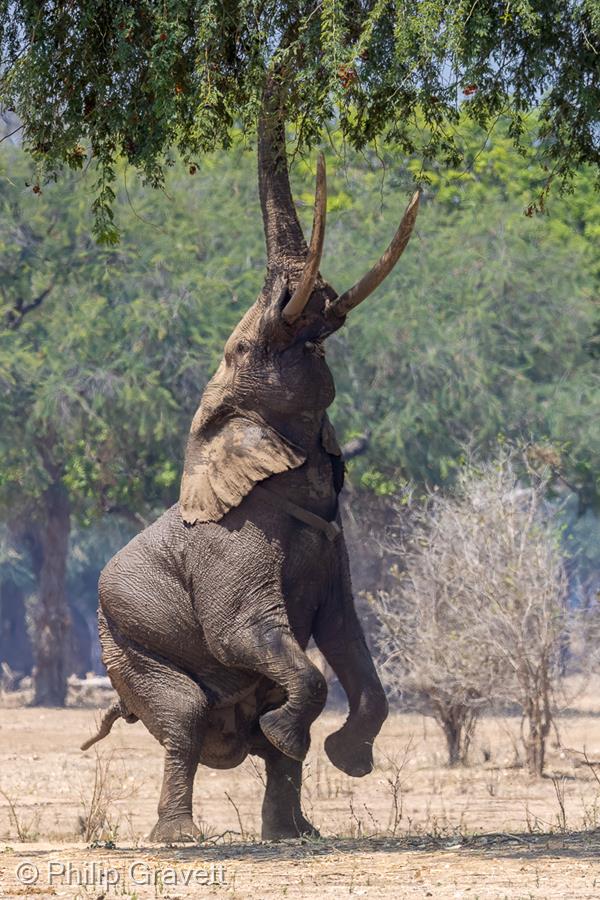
(106, 78)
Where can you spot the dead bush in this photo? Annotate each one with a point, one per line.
(477, 611)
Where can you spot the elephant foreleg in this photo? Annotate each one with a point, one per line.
(339, 637)
(263, 642)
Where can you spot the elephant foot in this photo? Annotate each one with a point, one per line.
(282, 729)
(349, 754)
(280, 831)
(178, 829)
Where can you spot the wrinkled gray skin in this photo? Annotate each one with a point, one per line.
(204, 627)
(205, 616)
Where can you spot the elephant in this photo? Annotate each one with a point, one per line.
(205, 616)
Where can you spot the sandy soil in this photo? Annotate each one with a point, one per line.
(411, 829)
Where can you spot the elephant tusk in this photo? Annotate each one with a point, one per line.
(295, 305)
(382, 268)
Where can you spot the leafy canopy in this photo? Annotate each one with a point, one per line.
(488, 325)
(100, 383)
(109, 78)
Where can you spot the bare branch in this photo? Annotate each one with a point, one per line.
(14, 317)
(477, 613)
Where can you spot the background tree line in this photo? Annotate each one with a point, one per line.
(490, 326)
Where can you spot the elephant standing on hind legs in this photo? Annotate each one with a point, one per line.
(205, 616)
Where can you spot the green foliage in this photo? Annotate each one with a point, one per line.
(486, 327)
(100, 383)
(105, 79)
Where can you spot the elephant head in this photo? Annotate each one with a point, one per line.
(273, 367)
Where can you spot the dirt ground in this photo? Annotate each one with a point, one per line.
(74, 824)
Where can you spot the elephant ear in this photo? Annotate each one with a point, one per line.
(224, 459)
(330, 444)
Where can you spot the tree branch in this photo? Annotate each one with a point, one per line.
(15, 316)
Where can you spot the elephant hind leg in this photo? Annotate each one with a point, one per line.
(282, 815)
(174, 709)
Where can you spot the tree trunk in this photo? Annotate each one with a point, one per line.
(52, 621)
(452, 732)
(458, 724)
(539, 719)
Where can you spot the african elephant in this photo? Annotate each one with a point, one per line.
(205, 615)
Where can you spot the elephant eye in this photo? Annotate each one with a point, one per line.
(242, 347)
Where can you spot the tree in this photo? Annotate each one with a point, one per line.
(488, 329)
(98, 384)
(99, 80)
(521, 572)
(478, 612)
(431, 618)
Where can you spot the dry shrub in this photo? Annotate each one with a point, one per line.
(26, 829)
(477, 610)
(99, 818)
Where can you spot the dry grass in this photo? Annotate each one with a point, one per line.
(485, 829)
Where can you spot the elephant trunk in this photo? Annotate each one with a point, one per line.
(286, 245)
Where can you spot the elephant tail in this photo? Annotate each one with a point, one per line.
(118, 710)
